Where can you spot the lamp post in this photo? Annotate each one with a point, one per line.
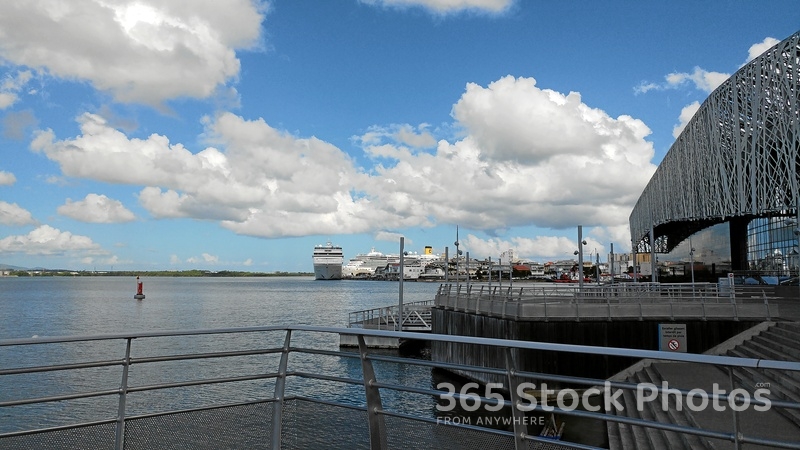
(581, 243)
(400, 288)
(597, 266)
(691, 261)
(458, 267)
(796, 223)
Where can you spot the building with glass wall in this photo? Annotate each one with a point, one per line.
(726, 196)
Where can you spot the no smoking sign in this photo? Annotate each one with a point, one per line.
(672, 337)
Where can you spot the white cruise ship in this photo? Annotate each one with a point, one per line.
(328, 260)
(366, 264)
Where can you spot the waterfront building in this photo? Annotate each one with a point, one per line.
(726, 194)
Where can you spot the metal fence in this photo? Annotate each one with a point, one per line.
(548, 301)
(416, 315)
(276, 387)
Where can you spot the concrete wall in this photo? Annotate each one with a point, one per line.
(701, 335)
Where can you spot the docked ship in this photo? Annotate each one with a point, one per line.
(328, 260)
(366, 265)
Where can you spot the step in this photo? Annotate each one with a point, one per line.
(640, 435)
(748, 377)
(684, 418)
(791, 326)
(653, 412)
(783, 341)
(767, 347)
(786, 330)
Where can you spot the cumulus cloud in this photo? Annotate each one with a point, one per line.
(139, 51)
(757, 49)
(46, 240)
(415, 137)
(11, 85)
(701, 79)
(686, 115)
(204, 258)
(528, 156)
(448, 6)
(7, 178)
(96, 209)
(14, 215)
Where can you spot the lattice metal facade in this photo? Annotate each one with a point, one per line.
(738, 158)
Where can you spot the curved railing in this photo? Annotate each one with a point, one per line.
(292, 387)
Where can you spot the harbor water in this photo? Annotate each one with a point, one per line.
(36, 307)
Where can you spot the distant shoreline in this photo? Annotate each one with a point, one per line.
(152, 273)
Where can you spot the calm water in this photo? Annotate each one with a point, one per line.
(55, 306)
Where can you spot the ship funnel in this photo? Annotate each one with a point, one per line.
(428, 250)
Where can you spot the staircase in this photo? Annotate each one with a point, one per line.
(778, 341)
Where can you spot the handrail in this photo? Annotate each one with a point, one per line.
(550, 301)
(372, 383)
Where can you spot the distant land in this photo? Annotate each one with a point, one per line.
(42, 272)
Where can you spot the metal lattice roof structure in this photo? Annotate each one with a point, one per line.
(739, 156)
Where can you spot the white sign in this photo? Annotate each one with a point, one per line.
(672, 337)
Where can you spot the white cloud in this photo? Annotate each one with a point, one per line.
(247, 262)
(204, 258)
(508, 169)
(140, 51)
(757, 49)
(415, 137)
(686, 115)
(449, 6)
(702, 79)
(14, 215)
(7, 178)
(46, 240)
(96, 209)
(11, 85)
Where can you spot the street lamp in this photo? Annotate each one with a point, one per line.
(691, 262)
(581, 243)
(792, 222)
(458, 268)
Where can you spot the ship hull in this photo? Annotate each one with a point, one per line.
(328, 271)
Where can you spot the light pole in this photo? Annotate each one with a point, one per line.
(402, 275)
(458, 268)
(691, 262)
(796, 223)
(597, 266)
(581, 243)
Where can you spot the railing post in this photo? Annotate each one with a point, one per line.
(377, 425)
(736, 434)
(520, 427)
(280, 390)
(119, 440)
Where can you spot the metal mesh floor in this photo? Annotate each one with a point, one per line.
(306, 425)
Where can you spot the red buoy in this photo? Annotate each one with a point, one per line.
(139, 294)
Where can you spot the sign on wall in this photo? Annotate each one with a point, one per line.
(672, 337)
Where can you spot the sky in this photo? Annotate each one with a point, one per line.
(237, 135)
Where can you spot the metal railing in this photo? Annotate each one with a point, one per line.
(416, 317)
(547, 301)
(269, 417)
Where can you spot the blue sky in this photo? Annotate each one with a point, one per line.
(236, 135)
